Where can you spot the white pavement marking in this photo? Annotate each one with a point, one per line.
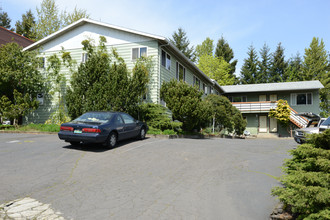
(15, 141)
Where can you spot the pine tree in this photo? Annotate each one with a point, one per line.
(223, 50)
(249, 69)
(316, 67)
(278, 65)
(180, 40)
(26, 27)
(5, 20)
(293, 72)
(264, 65)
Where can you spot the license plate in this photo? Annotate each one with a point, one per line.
(77, 131)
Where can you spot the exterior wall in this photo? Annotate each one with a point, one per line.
(253, 118)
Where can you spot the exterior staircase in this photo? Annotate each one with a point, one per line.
(299, 121)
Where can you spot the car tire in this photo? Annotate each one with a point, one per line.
(112, 140)
(142, 133)
(74, 143)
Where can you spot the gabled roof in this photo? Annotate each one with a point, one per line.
(272, 87)
(7, 36)
(162, 40)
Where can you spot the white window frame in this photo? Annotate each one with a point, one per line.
(84, 57)
(139, 52)
(196, 79)
(205, 88)
(177, 73)
(167, 60)
(294, 98)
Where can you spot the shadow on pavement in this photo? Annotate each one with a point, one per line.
(98, 148)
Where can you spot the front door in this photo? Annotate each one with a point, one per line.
(263, 124)
(272, 125)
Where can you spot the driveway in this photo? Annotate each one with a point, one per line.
(149, 179)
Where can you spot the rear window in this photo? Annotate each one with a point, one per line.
(95, 117)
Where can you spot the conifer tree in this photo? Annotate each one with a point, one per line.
(278, 65)
(249, 69)
(293, 72)
(180, 40)
(223, 50)
(26, 27)
(5, 20)
(264, 65)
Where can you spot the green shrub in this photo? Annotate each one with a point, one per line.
(169, 132)
(307, 188)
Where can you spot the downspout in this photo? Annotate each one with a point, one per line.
(159, 63)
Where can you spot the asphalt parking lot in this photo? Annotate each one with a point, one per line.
(149, 179)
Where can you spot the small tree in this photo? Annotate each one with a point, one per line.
(282, 114)
(185, 102)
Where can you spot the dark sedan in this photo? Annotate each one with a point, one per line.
(102, 127)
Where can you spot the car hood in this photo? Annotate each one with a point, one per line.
(308, 130)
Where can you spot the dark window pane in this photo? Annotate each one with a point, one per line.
(244, 99)
(168, 62)
(237, 99)
(309, 98)
(301, 99)
(143, 52)
(163, 58)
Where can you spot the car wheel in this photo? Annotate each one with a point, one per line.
(112, 140)
(74, 143)
(142, 134)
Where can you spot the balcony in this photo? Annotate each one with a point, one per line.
(255, 107)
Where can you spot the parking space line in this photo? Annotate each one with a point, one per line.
(11, 142)
(133, 148)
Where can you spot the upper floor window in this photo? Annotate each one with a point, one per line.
(301, 99)
(139, 52)
(180, 72)
(197, 82)
(205, 89)
(237, 98)
(84, 57)
(166, 60)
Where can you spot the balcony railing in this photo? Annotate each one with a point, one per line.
(255, 107)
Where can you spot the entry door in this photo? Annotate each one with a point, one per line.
(262, 98)
(263, 124)
(273, 125)
(273, 97)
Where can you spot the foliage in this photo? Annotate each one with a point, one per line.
(185, 102)
(249, 69)
(206, 47)
(223, 50)
(316, 67)
(103, 82)
(32, 127)
(155, 115)
(293, 71)
(216, 68)
(263, 65)
(5, 20)
(26, 27)
(20, 81)
(50, 19)
(180, 40)
(281, 112)
(307, 189)
(278, 65)
(224, 114)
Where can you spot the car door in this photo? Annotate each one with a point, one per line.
(130, 127)
(120, 127)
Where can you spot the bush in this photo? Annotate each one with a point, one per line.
(307, 188)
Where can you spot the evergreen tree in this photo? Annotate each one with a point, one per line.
(293, 72)
(264, 65)
(180, 40)
(249, 69)
(223, 50)
(315, 67)
(26, 27)
(278, 65)
(5, 20)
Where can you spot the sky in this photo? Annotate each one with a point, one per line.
(242, 23)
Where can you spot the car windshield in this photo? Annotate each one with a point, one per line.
(94, 117)
(326, 122)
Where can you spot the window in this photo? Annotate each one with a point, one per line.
(197, 82)
(205, 89)
(301, 99)
(119, 120)
(42, 62)
(166, 60)
(127, 119)
(139, 52)
(180, 72)
(237, 98)
(84, 57)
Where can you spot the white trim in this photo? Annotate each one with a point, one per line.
(139, 52)
(295, 95)
(177, 73)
